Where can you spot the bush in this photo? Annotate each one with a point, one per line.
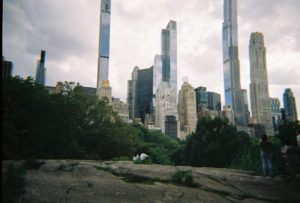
(185, 178)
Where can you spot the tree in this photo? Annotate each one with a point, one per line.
(215, 143)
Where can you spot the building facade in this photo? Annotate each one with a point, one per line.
(169, 54)
(187, 110)
(40, 73)
(104, 39)
(7, 67)
(166, 114)
(214, 101)
(234, 95)
(290, 107)
(131, 93)
(276, 113)
(259, 86)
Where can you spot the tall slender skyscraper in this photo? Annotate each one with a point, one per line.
(40, 74)
(290, 106)
(169, 54)
(234, 95)
(259, 87)
(104, 37)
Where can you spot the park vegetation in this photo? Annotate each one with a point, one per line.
(74, 125)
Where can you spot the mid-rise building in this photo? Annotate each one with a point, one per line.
(290, 107)
(234, 95)
(259, 86)
(7, 67)
(166, 114)
(131, 93)
(121, 108)
(276, 113)
(187, 110)
(40, 73)
(169, 54)
(105, 91)
(214, 101)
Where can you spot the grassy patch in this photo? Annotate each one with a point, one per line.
(184, 178)
(141, 180)
(104, 169)
(121, 158)
(145, 161)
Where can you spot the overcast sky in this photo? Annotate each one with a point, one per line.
(69, 29)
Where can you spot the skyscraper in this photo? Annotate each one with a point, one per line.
(259, 87)
(104, 37)
(234, 95)
(290, 105)
(187, 110)
(169, 54)
(40, 74)
(214, 101)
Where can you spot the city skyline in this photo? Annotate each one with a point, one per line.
(69, 34)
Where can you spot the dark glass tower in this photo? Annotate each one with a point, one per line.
(290, 105)
(104, 38)
(40, 74)
(234, 95)
(169, 54)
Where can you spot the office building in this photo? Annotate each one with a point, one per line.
(169, 54)
(131, 93)
(214, 101)
(105, 91)
(290, 107)
(104, 38)
(276, 113)
(234, 95)
(166, 113)
(40, 73)
(187, 110)
(7, 67)
(259, 86)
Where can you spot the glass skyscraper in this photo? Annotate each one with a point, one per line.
(169, 54)
(40, 74)
(234, 95)
(290, 107)
(104, 37)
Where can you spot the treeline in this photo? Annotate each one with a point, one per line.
(74, 125)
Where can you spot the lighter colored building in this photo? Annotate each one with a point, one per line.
(187, 110)
(259, 86)
(227, 113)
(166, 114)
(105, 91)
(131, 92)
(121, 108)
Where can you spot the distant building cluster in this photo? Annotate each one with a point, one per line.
(152, 96)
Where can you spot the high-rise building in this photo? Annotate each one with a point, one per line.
(144, 93)
(214, 101)
(290, 107)
(7, 67)
(104, 38)
(234, 95)
(259, 86)
(131, 93)
(40, 73)
(166, 114)
(187, 110)
(169, 54)
(276, 113)
(105, 91)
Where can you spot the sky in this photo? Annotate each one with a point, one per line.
(69, 32)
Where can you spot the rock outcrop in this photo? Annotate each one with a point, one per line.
(96, 181)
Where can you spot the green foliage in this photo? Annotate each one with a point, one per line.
(250, 158)
(157, 145)
(145, 161)
(13, 184)
(141, 180)
(121, 158)
(215, 143)
(288, 131)
(68, 124)
(182, 177)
